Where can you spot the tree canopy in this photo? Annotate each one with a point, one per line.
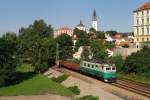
(8, 59)
(36, 44)
(65, 46)
(99, 50)
(139, 62)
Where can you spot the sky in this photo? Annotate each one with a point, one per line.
(112, 14)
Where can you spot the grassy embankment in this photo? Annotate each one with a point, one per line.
(38, 84)
(137, 78)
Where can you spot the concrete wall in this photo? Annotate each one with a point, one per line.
(124, 52)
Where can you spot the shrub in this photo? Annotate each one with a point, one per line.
(118, 61)
(75, 90)
(88, 97)
(139, 62)
(60, 79)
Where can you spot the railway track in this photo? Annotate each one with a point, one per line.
(129, 85)
(135, 87)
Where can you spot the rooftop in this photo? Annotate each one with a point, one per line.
(143, 7)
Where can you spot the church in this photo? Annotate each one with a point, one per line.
(81, 26)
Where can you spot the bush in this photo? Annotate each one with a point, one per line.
(118, 61)
(41, 67)
(60, 79)
(88, 97)
(125, 46)
(139, 62)
(75, 90)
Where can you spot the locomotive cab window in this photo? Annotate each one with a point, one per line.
(107, 68)
(113, 68)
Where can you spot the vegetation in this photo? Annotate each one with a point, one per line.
(8, 59)
(35, 86)
(100, 35)
(60, 79)
(88, 97)
(65, 46)
(139, 63)
(134, 77)
(36, 45)
(99, 50)
(82, 38)
(118, 61)
(74, 89)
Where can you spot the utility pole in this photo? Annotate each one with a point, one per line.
(57, 55)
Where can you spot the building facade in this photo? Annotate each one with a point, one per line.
(94, 20)
(142, 24)
(81, 26)
(62, 30)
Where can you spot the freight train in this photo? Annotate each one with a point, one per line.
(103, 71)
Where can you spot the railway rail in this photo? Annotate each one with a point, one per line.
(126, 84)
(132, 86)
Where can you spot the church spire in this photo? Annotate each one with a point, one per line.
(94, 17)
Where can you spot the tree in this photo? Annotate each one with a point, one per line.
(138, 63)
(8, 60)
(92, 30)
(99, 50)
(112, 32)
(118, 61)
(100, 35)
(36, 45)
(65, 46)
(80, 33)
(85, 53)
(82, 42)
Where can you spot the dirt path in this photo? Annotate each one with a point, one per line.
(36, 97)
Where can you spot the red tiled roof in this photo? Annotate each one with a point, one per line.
(143, 7)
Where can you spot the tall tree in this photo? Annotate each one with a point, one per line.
(65, 46)
(36, 44)
(8, 60)
(99, 50)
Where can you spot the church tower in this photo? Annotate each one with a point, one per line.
(94, 20)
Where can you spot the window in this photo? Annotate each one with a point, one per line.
(88, 65)
(113, 68)
(142, 20)
(143, 30)
(143, 39)
(147, 39)
(96, 65)
(147, 20)
(147, 12)
(137, 31)
(84, 64)
(142, 12)
(107, 68)
(137, 39)
(92, 66)
(147, 30)
(137, 22)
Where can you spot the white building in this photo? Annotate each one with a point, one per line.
(81, 26)
(142, 24)
(94, 20)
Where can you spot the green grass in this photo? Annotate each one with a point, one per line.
(75, 90)
(60, 79)
(137, 78)
(88, 97)
(25, 68)
(34, 86)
